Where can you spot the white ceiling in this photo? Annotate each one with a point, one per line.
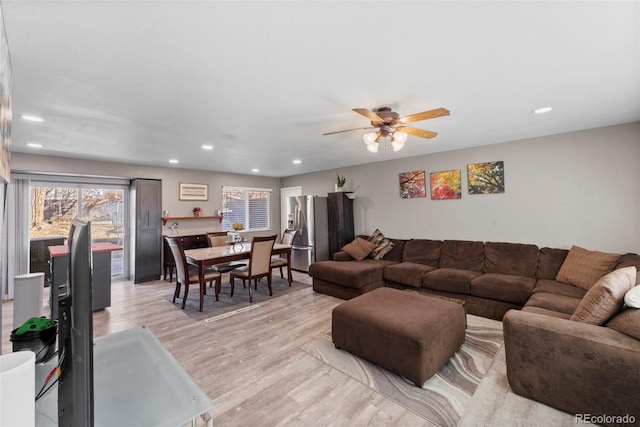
(144, 81)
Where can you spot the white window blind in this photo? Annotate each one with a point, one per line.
(250, 206)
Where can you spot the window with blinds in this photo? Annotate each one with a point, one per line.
(249, 206)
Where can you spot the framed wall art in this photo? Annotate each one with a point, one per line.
(445, 185)
(486, 178)
(412, 185)
(190, 191)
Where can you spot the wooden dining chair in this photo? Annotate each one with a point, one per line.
(280, 261)
(187, 275)
(259, 264)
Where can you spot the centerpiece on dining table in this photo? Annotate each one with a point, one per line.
(234, 236)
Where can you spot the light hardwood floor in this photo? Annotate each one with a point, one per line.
(251, 367)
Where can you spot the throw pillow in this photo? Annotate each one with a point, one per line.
(626, 322)
(583, 268)
(383, 245)
(606, 297)
(359, 248)
(632, 298)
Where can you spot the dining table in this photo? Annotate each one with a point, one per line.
(204, 257)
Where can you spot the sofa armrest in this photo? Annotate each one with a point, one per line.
(572, 366)
(342, 256)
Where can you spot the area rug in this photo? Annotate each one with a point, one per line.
(240, 300)
(444, 398)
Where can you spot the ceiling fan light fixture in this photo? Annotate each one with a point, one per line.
(397, 140)
(372, 146)
(370, 137)
(400, 137)
(397, 145)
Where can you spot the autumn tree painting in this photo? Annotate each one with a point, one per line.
(412, 184)
(446, 185)
(486, 178)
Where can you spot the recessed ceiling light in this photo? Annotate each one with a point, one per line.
(542, 110)
(207, 147)
(254, 170)
(32, 118)
(173, 161)
(34, 145)
(297, 161)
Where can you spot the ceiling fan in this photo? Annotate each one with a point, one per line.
(389, 123)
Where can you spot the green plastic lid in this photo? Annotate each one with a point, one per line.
(36, 324)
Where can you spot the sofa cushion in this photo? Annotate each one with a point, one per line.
(558, 288)
(359, 249)
(450, 280)
(632, 297)
(554, 302)
(383, 245)
(511, 258)
(350, 274)
(606, 297)
(462, 255)
(503, 287)
(583, 268)
(342, 256)
(628, 260)
(551, 313)
(549, 262)
(395, 254)
(406, 273)
(422, 251)
(626, 322)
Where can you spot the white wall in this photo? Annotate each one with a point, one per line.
(577, 188)
(171, 177)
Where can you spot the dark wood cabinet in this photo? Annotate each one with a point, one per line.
(148, 230)
(188, 242)
(340, 215)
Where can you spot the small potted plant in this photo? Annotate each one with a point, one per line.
(197, 211)
(340, 182)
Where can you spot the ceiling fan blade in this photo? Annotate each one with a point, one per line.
(369, 114)
(431, 114)
(347, 130)
(416, 132)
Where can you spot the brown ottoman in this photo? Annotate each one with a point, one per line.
(410, 334)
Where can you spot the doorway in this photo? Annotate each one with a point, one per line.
(53, 205)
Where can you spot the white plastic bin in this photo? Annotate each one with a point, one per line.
(27, 297)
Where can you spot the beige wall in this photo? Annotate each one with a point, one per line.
(577, 188)
(171, 177)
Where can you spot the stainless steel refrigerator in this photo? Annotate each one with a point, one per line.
(308, 215)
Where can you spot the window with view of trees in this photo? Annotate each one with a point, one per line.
(249, 206)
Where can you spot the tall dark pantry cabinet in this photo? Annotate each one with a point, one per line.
(340, 210)
(147, 243)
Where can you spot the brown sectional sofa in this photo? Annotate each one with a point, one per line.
(491, 277)
(576, 367)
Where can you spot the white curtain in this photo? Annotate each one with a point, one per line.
(17, 231)
(3, 244)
